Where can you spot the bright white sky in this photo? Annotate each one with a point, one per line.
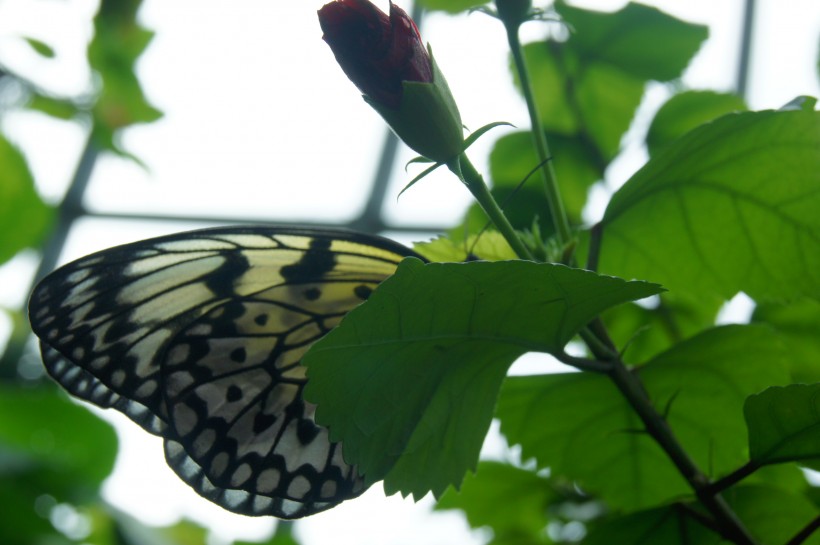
(251, 97)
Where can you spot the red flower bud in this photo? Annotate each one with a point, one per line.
(376, 52)
(398, 77)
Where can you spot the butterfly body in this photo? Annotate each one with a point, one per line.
(198, 338)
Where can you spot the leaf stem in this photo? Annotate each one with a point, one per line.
(806, 532)
(595, 235)
(596, 345)
(559, 215)
(731, 527)
(464, 169)
(732, 478)
(584, 364)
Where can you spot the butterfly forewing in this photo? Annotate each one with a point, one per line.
(198, 337)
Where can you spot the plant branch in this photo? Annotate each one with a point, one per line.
(806, 532)
(597, 339)
(559, 215)
(599, 348)
(732, 478)
(730, 526)
(465, 170)
(584, 364)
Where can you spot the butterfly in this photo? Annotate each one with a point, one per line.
(198, 337)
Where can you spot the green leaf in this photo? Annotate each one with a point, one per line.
(24, 218)
(664, 525)
(490, 246)
(55, 107)
(642, 332)
(772, 514)
(802, 102)
(408, 380)
(591, 100)
(784, 424)
(520, 206)
(508, 499)
(21, 522)
(282, 536)
(638, 39)
(606, 98)
(591, 85)
(51, 434)
(127, 530)
(797, 325)
(579, 425)
(732, 206)
(41, 47)
(513, 158)
(789, 477)
(452, 6)
(684, 112)
(113, 52)
(813, 494)
(481, 131)
(581, 97)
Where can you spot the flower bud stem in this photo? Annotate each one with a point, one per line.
(464, 169)
(559, 215)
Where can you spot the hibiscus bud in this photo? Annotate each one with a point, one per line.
(385, 58)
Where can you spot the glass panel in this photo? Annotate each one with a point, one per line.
(260, 122)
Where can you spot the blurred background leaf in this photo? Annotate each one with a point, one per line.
(24, 218)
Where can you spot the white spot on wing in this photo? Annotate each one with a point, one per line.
(268, 480)
(240, 475)
(156, 262)
(298, 487)
(188, 245)
(249, 240)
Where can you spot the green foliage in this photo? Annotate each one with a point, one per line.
(24, 218)
(590, 85)
(512, 501)
(668, 525)
(637, 39)
(41, 47)
(441, 337)
(589, 433)
(797, 325)
(732, 207)
(773, 514)
(118, 42)
(491, 246)
(727, 203)
(643, 331)
(784, 424)
(513, 157)
(686, 111)
(54, 454)
(587, 97)
(51, 451)
(452, 6)
(118, 100)
(282, 536)
(41, 429)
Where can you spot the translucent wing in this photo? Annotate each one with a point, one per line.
(198, 338)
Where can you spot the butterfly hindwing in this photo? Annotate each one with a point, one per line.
(198, 337)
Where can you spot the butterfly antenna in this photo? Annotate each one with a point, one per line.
(505, 202)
